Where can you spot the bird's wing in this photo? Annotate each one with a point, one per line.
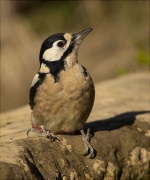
(37, 81)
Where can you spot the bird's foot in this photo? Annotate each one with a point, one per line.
(43, 133)
(88, 146)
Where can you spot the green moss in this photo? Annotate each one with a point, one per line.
(121, 71)
(142, 57)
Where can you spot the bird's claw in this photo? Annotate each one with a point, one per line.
(43, 133)
(29, 130)
(88, 146)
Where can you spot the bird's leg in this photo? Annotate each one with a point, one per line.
(43, 133)
(88, 146)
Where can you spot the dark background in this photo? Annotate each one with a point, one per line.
(118, 44)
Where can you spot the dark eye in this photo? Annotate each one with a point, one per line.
(60, 43)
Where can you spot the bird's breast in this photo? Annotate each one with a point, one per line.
(65, 105)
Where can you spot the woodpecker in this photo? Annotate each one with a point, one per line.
(62, 93)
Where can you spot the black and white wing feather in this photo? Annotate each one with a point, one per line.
(37, 81)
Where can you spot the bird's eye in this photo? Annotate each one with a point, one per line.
(60, 43)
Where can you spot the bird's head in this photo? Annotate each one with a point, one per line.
(62, 47)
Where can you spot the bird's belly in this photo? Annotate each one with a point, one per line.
(64, 107)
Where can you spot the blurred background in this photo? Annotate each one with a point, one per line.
(118, 44)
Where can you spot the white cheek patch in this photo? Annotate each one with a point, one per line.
(44, 68)
(35, 80)
(55, 53)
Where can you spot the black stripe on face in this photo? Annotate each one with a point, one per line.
(55, 67)
(68, 51)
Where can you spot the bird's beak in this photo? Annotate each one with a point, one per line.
(77, 39)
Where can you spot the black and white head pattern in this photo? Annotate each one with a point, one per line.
(57, 52)
(52, 56)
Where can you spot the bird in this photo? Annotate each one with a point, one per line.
(62, 92)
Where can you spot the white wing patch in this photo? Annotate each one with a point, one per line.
(35, 80)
